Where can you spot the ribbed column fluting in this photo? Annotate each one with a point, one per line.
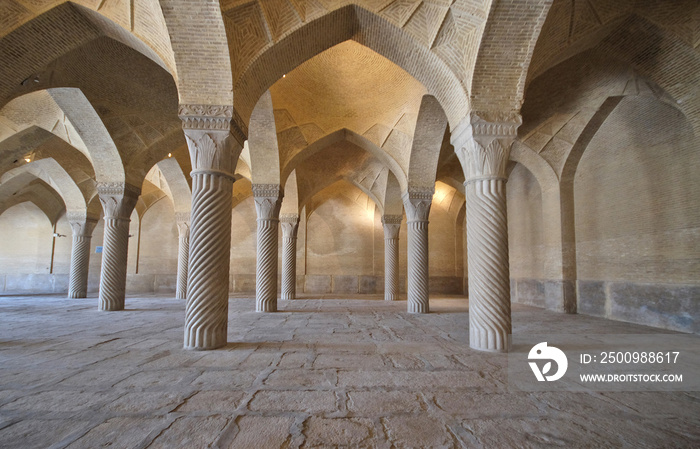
(417, 204)
(82, 227)
(182, 257)
(79, 265)
(206, 314)
(290, 225)
(489, 280)
(268, 200)
(392, 225)
(114, 254)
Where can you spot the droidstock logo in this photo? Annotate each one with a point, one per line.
(543, 352)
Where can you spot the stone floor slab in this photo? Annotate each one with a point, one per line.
(334, 372)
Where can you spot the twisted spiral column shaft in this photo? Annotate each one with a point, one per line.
(489, 280)
(182, 262)
(215, 140)
(266, 272)
(114, 254)
(418, 267)
(392, 225)
(206, 311)
(79, 265)
(391, 269)
(289, 266)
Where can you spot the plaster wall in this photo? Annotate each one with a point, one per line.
(25, 251)
(340, 249)
(525, 238)
(637, 204)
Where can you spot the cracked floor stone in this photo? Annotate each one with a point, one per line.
(322, 372)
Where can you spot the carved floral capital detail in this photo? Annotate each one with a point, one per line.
(482, 143)
(210, 150)
(268, 200)
(212, 117)
(417, 202)
(80, 223)
(290, 225)
(118, 199)
(392, 225)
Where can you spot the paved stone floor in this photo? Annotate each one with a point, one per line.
(320, 373)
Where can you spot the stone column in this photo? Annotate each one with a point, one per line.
(183, 227)
(208, 129)
(80, 253)
(118, 201)
(268, 200)
(290, 225)
(417, 202)
(392, 224)
(483, 148)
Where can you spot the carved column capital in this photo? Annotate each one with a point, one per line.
(118, 199)
(392, 225)
(182, 219)
(211, 131)
(80, 223)
(290, 225)
(417, 202)
(268, 201)
(482, 143)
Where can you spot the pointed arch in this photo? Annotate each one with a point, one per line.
(354, 138)
(306, 202)
(29, 49)
(26, 187)
(49, 171)
(356, 23)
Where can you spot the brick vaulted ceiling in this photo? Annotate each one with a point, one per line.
(364, 66)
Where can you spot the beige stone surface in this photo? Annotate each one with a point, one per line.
(365, 374)
(359, 102)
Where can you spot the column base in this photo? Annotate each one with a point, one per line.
(489, 342)
(77, 295)
(202, 340)
(266, 307)
(391, 297)
(288, 296)
(110, 307)
(416, 307)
